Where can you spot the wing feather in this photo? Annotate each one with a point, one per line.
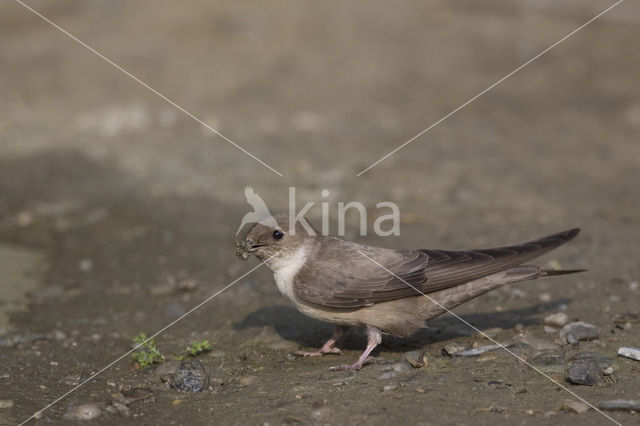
(326, 282)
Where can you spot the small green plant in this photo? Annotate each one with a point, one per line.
(195, 349)
(149, 354)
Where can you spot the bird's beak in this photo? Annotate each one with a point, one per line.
(244, 248)
(253, 247)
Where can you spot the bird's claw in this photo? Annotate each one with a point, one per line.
(319, 352)
(353, 367)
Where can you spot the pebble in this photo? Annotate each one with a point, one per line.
(118, 408)
(550, 330)
(632, 353)
(166, 368)
(190, 376)
(489, 356)
(584, 372)
(534, 342)
(582, 331)
(453, 348)
(559, 319)
(247, 380)
(130, 396)
(545, 297)
(6, 403)
(577, 407)
(572, 339)
(417, 359)
(83, 412)
(85, 265)
(549, 360)
(477, 351)
(629, 318)
(621, 405)
(603, 361)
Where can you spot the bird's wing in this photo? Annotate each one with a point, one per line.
(341, 277)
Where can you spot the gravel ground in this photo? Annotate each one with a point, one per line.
(118, 212)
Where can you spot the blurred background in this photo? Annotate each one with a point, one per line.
(118, 212)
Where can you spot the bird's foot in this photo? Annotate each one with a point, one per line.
(353, 367)
(319, 352)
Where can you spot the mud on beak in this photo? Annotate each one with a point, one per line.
(245, 248)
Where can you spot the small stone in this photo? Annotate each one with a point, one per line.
(388, 388)
(417, 359)
(130, 396)
(577, 407)
(632, 353)
(121, 409)
(387, 375)
(559, 319)
(489, 356)
(603, 361)
(247, 380)
(607, 371)
(85, 265)
(83, 412)
(176, 402)
(584, 372)
(25, 218)
(549, 361)
(572, 339)
(478, 351)
(534, 342)
(6, 403)
(545, 297)
(550, 330)
(166, 368)
(190, 376)
(582, 331)
(634, 285)
(453, 348)
(629, 317)
(621, 405)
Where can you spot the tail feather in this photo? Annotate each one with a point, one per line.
(554, 272)
(450, 268)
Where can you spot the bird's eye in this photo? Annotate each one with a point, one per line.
(277, 234)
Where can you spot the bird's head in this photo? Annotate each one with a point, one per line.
(276, 236)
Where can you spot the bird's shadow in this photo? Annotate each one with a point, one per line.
(292, 325)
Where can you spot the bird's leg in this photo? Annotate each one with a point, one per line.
(328, 347)
(374, 337)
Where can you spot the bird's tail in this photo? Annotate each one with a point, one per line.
(451, 297)
(553, 272)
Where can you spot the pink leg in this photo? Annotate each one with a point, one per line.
(328, 347)
(374, 337)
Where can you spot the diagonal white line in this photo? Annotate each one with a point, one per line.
(493, 340)
(492, 86)
(149, 338)
(146, 86)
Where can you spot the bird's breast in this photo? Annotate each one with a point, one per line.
(285, 270)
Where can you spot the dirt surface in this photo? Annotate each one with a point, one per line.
(118, 212)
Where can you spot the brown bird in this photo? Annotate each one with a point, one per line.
(352, 285)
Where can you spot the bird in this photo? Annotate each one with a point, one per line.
(383, 290)
(260, 210)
